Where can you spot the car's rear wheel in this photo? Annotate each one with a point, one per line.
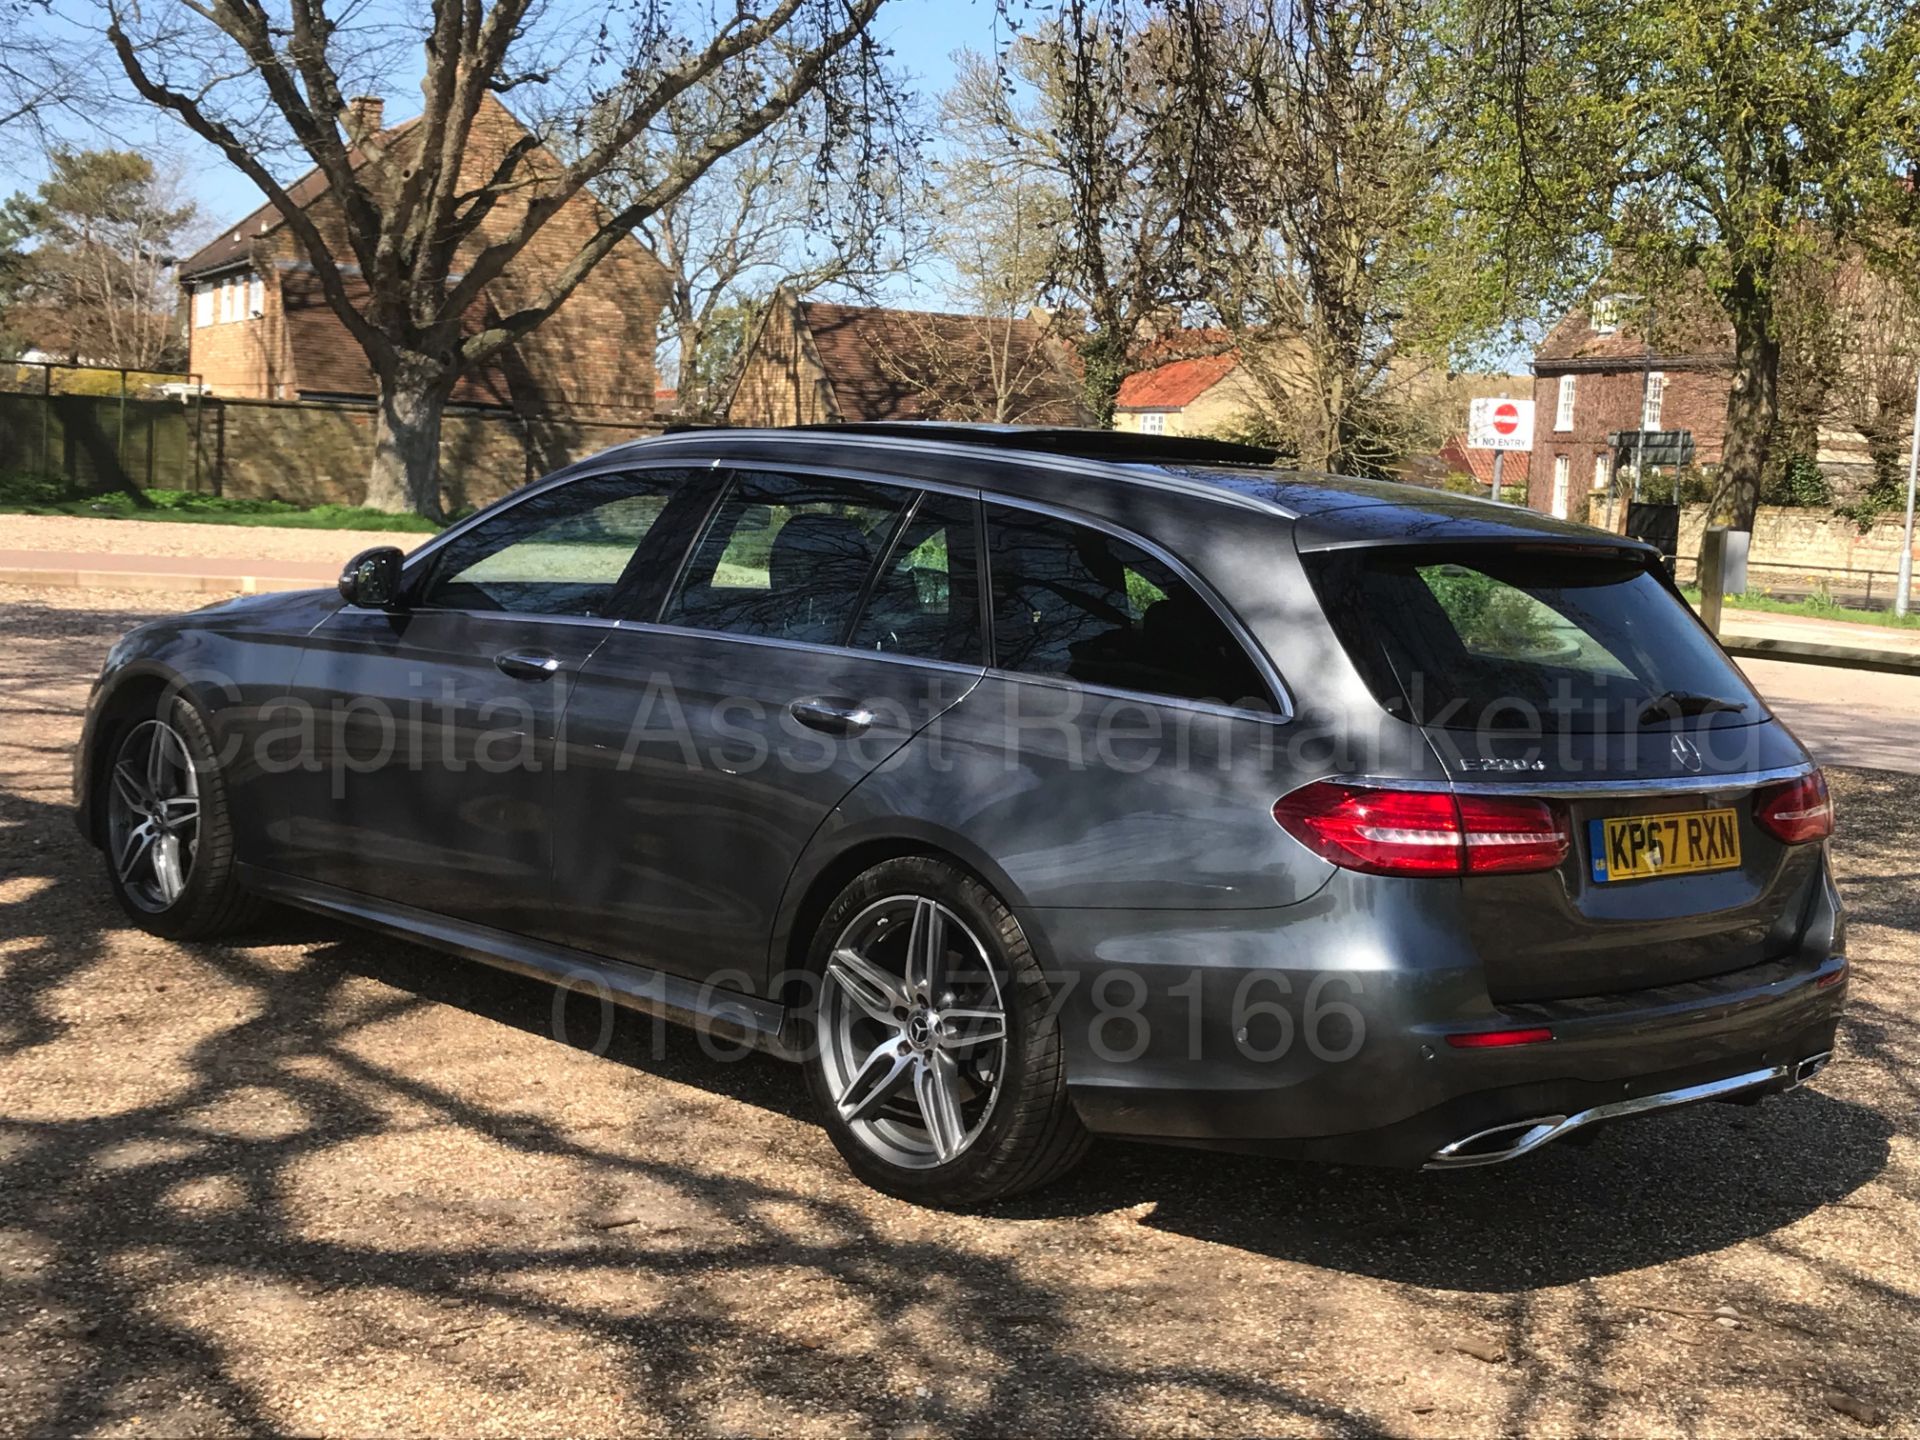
(935, 1063)
(168, 832)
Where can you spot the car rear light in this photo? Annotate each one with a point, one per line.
(1384, 831)
(1796, 811)
(1498, 1039)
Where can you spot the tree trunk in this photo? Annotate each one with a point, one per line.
(1753, 404)
(406, 440)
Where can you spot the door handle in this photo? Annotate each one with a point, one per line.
(833, 719)
(527, 664)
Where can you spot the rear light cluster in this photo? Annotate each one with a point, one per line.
(1795, 811)
(1384, 831)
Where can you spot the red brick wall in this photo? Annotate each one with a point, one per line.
(1609, 400)
(591, 360)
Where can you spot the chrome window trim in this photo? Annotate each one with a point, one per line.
(1281, 696)
(1138, 697)
(1523, 784)
(779, 642)
(1120, 470)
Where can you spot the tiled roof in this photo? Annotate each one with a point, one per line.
(232, 245)
(922, 365)
(1462, 460)
(1175, 385)
(1700, 336)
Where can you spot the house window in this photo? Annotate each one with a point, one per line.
(1600, 470)
(1606, 315)
(1656, 392)
(202, 306)
(227, 288)
(1153, 422)
(1562, 474)
(1563, 413)
(256, 296)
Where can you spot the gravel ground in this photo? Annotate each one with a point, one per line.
(325, 1182)
(162, 537)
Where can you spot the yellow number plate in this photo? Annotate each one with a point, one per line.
(1638, 847)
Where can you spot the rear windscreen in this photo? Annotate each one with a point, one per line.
(1501, 638)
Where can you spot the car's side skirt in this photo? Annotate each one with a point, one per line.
(730, 1014)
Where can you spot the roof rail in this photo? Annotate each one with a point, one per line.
(1088, 444)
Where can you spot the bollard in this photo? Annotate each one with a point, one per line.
(1713, 575)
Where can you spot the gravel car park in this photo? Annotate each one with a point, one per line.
(314, 1179)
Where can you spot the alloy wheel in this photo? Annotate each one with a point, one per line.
(913, 1031)
(153, 815)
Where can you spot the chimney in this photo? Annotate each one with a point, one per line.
(363, 117)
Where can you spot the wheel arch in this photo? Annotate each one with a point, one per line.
(830, 865)
(135, 689)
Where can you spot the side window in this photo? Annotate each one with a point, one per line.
(926, 602)
(786, 556)
(1072, 601)
(559, 553)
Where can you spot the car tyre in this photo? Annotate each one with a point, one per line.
(929, 1003)
(168, 828)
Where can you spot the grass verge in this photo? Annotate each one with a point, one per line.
(27, 495)
(1814, 608)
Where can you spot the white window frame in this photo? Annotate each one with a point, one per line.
(1602, 471)
(1656, 400)
(202, 306)
(256, 296)
(1562, 480)
(1153, 422)
(1563, 407)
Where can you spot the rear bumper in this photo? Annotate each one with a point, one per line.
(1342, 1053)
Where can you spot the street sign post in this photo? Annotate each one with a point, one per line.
(1496, 423)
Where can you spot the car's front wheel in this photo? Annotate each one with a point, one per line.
(935, 1063)
(169, 837)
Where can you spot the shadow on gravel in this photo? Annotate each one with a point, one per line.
(101, 1257)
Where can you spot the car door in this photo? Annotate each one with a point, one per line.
(820, 622)
(428, 777)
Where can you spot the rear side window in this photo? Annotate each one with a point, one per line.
(1518, 639)
(1078, 603)
(926, 602)
(786, 556)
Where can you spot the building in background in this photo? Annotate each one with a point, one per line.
(259, 327)
(812, 362)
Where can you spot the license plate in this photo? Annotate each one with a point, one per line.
(1639, 847)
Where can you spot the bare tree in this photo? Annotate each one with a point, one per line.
(775, 214)
(1337, 276)
(1111, 111)
(424, 239)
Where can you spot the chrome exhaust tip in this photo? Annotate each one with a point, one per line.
(1500, 1143)
(1808, 1068)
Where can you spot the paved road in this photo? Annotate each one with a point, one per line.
(1846, 717)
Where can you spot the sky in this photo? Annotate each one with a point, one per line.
(924, 35)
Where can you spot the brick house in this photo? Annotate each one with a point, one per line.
(259, 327)
(1196, 394)
(811, 362)
(1588, 377)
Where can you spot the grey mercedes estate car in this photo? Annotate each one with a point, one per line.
(1025, 786)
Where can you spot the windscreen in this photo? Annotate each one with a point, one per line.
(1516, 638)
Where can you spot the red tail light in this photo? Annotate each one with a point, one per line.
(1384, 831)
(1499, 1039)
(1795, 811)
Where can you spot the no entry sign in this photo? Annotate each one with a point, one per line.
(1494, 423)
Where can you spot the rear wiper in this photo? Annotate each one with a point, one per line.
(1672, 704)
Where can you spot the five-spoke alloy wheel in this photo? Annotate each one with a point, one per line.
(153, 815)
(163, 814)
(935, 1062)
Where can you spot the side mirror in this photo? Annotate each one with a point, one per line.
(372, 578)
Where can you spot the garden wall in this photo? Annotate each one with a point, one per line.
(317, 454)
